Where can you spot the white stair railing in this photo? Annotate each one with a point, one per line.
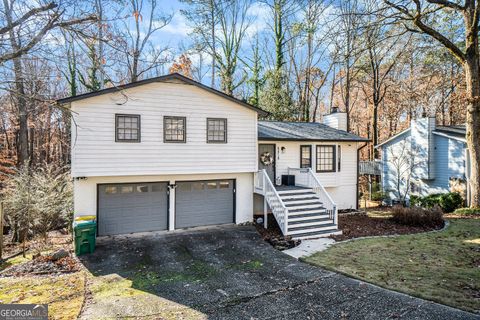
(305, 177)
(264, 185)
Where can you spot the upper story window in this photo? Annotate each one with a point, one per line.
(325, 158)
(127, 128)
(216, 130)
(305, 156)
(174, 129)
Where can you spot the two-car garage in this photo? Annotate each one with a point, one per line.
(139, 207)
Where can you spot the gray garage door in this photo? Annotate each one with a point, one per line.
(136, 207)
(201, 203)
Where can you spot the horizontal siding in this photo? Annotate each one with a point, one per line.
(95, 152)
(450, 163)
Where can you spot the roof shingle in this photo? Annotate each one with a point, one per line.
(303, 131)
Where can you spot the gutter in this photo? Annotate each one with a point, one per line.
(358, 169)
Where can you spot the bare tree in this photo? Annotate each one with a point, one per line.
(233, 22)
(141, 55)
(348, 50)
(402, 159)
(23, 28)
(203, 16)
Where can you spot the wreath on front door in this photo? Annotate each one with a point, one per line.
(266, 159)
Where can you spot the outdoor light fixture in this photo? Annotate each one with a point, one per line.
(283, 149)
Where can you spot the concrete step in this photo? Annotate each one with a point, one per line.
(319, 234)
(314, 228)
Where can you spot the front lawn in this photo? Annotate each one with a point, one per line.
(440, 266)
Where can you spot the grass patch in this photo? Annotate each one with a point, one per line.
(440, 266)
(63, 294)
(15, 260)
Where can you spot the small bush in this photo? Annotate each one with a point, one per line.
(447, 201)
(415, 201)
(418, 217)
(467, 211)
(378, 196)
(451, 201)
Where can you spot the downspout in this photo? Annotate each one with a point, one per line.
(358, 175)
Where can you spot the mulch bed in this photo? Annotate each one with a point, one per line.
(274, 236)
(360, 225)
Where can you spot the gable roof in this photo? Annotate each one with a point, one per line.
(459, 131)
(392, 138)
(302, 131)
(165, 78)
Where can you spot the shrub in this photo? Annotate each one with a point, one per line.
(467, 211)
(37, 201)
(415, 201)
(379, 196)
(418, 217)
(451, 201)
(447, 201)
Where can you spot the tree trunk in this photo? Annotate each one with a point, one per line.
(472, 76)
(22, 147)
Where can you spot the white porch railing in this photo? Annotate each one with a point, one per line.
(264, 185)
(305, 177)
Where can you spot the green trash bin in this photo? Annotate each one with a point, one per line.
(85, 233)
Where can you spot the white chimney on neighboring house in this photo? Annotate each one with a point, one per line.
(336, 119)
(423, 147)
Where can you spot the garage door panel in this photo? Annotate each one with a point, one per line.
(127, 208)
(202, 203)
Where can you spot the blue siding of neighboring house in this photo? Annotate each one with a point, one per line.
(449, 163)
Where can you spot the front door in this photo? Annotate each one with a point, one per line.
(266, 160)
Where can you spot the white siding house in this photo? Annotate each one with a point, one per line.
(341, 184)
(170, 153)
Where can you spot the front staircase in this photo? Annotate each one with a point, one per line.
(307, 217)
(302, 211)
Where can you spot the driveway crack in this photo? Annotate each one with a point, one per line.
(246, 299)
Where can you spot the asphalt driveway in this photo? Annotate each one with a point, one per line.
(230, 273)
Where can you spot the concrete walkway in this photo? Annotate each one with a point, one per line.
(231, 273)
(309, 247)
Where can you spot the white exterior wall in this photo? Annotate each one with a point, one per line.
(342, 185)
(95, 152)
(85, 192)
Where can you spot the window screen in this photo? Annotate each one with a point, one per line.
(217, 130)
(325, 158)
(174, 129)
(127, 128)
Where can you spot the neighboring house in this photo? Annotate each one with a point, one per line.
(425, 159)
(169, 153)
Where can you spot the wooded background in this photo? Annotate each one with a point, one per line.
(295, 59)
